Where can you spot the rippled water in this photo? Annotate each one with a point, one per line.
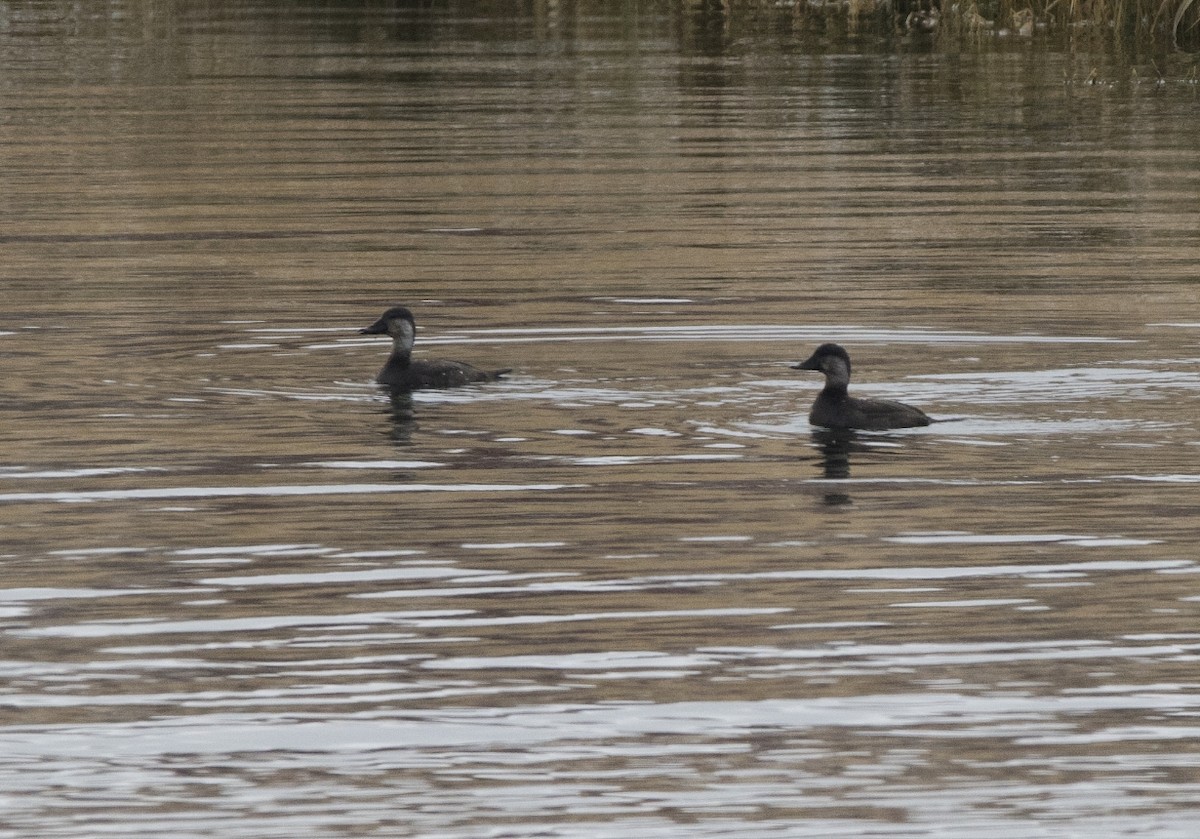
(628, 590)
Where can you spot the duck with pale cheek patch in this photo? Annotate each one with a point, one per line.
(402, 373)
(836, 408)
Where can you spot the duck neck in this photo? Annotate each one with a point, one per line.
(834, 390)
(401, 355)
(402, 332)
(837, 378)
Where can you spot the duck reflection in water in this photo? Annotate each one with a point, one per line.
(838, 447)
(835, 447)
(404, 418)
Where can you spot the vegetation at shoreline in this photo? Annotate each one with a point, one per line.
(1169, 24)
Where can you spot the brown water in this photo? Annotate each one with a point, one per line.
(627, 591)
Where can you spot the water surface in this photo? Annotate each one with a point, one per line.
(628, 590)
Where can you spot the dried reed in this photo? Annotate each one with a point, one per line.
(1172, 22)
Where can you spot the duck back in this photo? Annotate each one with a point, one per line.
(420, 375)
(839, 410)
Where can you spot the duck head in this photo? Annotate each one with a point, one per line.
(397, 322)
(826, 359)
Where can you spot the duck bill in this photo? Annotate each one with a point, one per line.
(379, 327)
(808, 364)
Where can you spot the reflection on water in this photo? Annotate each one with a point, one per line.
(628, 589)
(404, 417)
(835, 448)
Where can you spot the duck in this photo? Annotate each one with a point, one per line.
(402, 374)
(835, 408)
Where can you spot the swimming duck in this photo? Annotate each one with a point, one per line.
(401, 373)
(835, 408)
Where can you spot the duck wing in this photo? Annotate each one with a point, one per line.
(882, 414)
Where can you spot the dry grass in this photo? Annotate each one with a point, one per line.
(1182, 12)
(1169, 23)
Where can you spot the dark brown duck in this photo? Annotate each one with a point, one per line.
(402, 373)
(836, 408)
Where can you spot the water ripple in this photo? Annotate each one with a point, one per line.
(159, 493)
